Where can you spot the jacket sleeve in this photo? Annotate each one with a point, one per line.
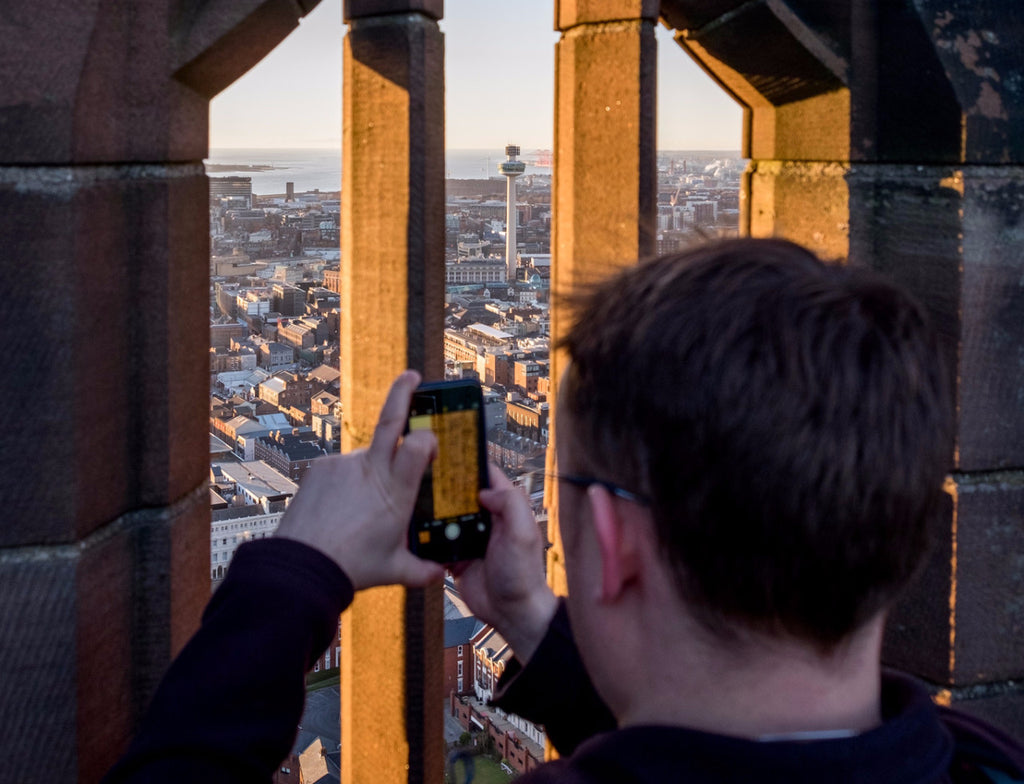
(228, 707)
(554, 690)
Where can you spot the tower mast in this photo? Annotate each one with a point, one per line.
(511, 168)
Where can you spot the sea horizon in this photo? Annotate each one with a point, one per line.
(319, 168)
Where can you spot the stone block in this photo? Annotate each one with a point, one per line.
(991, 429)
(40, 77)
(917, 635)
(87, 631)
(1003, 707)
(990, 577)
(604, 132)
(950, 236)
(361, 9)
(114, 82)
(905, 221)
(188, 570)
(902, 107)
(393, 191)
(962, 623)
(569, 13)
(107, 385)
(808, 203)
(979, 52)
(788, 63)
(92, 83)
(38, 649)
(694, 14)
(114, 636)
(226, 38)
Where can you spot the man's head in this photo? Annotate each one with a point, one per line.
(788, 421)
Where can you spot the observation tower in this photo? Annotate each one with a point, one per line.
(511, 168)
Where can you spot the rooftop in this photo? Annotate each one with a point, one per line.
(490, 332)
(258, 478)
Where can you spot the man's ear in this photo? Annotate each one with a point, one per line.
(616, 541)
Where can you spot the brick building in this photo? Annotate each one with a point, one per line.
(527, 372)
(511, 451)
(480, 270)
(296, 334)
(288, 300)
(221, 335)
(516, 748)
(273, 356)
(255, 498)
(223, 360)
(291, 454)
(289, 389)
(529, 420)
(491, 654)
(459, 628)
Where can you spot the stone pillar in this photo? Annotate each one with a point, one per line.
(892, 135)
(104, 549)
(605, 179)
(392, 318)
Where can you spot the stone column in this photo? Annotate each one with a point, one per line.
(104, 548)
(605, 179)
(392, 318)
(892, 135)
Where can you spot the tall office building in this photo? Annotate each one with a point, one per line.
(231, 188)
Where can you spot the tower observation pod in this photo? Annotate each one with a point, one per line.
(511, 168)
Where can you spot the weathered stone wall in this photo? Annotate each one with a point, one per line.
(392, 318)
(892, 135)
(104, 548)
(605, 178)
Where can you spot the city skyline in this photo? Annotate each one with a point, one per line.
(303, 74)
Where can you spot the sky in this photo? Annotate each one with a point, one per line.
(499, 84)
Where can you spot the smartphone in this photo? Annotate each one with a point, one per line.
(448, 524)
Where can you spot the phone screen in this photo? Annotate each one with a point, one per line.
(454, 484)
(448, 524)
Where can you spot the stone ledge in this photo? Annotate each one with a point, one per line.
(362, 9)
(570, 13)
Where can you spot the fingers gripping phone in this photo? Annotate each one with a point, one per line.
(448, 523)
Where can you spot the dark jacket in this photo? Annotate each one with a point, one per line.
(228, 708)
(917, 742)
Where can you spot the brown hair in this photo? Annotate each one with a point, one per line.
(790, 422)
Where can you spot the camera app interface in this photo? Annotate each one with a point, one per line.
(450, 485)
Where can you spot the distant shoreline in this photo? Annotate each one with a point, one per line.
(267, 152)
(243, 167)
(271, 170)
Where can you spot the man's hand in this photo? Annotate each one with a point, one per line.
(356, 508)
(507, 588)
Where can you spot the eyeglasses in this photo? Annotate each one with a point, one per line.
(583, 482)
